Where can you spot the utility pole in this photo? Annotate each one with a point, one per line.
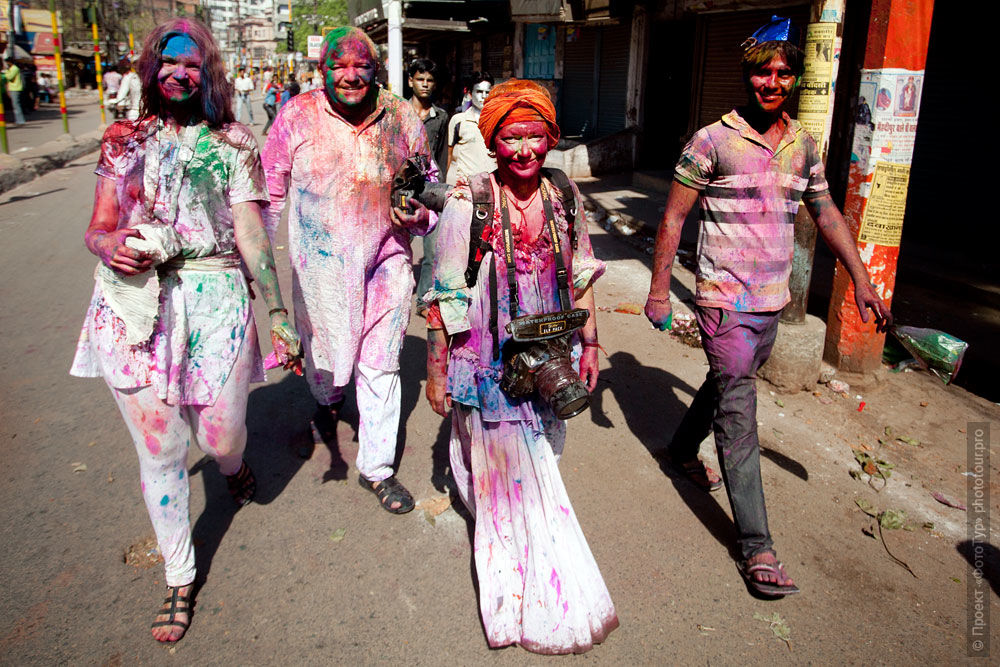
(97, 61)
(57, 49)
(891, 83)
(394, 22)
(816, 94)
(795, 360)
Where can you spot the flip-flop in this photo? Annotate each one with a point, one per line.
(389, 491)
(766, 587)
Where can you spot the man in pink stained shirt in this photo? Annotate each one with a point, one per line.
(749, 172)
(332, 153)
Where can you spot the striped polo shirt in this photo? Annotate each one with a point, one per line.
(749, 196)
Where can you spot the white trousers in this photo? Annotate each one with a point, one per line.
(379, 399)
(162, 435)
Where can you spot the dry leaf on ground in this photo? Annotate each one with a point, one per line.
(629, 308)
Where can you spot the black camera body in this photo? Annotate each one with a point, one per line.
(538, 358)
(410, 182)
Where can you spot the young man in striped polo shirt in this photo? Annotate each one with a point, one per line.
(749, 171)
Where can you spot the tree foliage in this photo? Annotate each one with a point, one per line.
(310, 16)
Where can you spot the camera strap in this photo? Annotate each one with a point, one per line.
(562, 275)
(507, 234)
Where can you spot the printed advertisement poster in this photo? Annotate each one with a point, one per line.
(882, 222)
(814, 90)
(313, 44)
(888, 104)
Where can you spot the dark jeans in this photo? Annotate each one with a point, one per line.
(271, 111)
(427, 267)
(737, 344)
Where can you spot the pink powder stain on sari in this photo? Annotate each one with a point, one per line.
(152, 444)
(554, 580)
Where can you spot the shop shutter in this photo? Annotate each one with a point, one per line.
(721, 81)
(614, 79)
(578, 84)
(494, 60)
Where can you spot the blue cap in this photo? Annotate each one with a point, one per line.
(779, 29)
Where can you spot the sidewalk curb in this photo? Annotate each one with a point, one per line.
(51, 155)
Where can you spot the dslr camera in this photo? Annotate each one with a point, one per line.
(410, 182)
(538, 358)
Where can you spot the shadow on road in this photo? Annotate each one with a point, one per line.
(277, 428)
(17, 198)
(647, 398)
(412, 371)
(985, 557)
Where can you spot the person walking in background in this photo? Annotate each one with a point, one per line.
(129, 91)
(44, 93)
(467, 153)
(170, 325)
(14, 83)
(271, 90)
(112, 80)
(423, 82)
(244, 87)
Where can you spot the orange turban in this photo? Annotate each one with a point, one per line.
(517, 101)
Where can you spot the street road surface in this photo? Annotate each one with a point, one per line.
(315, 572)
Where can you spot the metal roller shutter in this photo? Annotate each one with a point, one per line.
(614, 79)
(721, 86)
(578, 85)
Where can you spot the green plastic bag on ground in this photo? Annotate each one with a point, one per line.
(934, 350)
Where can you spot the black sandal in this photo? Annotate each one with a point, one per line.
(170, 608)
(389, 491)
(242, 485)
(326, 418)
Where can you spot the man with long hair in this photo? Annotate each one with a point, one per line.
(750, 170)
(332, 153)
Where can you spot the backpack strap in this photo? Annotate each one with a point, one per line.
(559, 179)
(479, 228)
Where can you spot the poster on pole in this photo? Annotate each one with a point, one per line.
(882, 222)
(885, 123)
(822, 51)
(313, 42)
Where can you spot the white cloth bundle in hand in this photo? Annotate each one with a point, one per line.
(136, 299)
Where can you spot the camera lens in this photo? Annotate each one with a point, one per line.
(560, 386)
(570, 401)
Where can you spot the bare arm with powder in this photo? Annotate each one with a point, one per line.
(668, 237)
(838, 236)
(437, 371)
(105, 240)
(255, 248)
(588, 336)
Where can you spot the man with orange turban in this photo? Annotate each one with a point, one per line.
(539, 584)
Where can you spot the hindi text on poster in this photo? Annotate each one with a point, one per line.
(882, 222)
